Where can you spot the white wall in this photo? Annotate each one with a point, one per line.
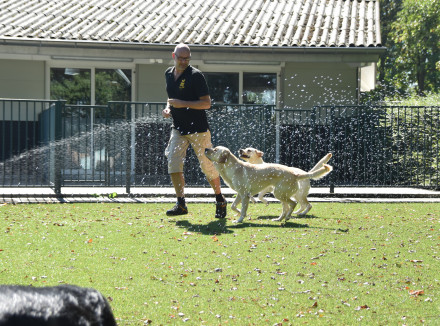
(22, 79)
(305, 85)
(150, 85)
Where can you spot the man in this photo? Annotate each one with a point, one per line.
(188, 100)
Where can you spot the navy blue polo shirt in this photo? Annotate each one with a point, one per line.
(190, 86)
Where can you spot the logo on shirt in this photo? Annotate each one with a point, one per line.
(182, 84)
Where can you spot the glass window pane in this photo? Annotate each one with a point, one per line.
(259, 88)
(70, 84)
(112, 85)
(223, 87)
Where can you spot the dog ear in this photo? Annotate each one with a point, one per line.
(224, 157)
(260, 153)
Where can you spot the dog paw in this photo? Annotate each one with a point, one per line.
(277, 219)
(237, 221)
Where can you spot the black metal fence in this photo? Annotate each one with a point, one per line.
(50, 143)
(372, 145)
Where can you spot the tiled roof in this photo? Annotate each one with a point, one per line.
(262, 23)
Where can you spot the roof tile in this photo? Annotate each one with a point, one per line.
(264, 23)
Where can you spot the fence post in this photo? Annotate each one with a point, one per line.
(59, 105)
(331, 145)
(128, 149)
(313, 127)
(277, 136)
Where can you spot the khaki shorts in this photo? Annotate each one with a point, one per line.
(176, 152)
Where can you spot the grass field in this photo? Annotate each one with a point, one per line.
(344, 264)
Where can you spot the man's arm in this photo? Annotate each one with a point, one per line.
(203, 103)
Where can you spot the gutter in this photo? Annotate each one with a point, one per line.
(137, 46)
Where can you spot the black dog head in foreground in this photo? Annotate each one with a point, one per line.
(64, 305)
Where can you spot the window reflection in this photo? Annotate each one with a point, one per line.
(96, 133)
(73, 85)
(112, 85)
(70, 84)
(223, 87)
(259, 88)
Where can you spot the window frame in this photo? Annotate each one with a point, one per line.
(244, 68)
(80, 64)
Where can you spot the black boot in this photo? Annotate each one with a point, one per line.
(220, 208)
(178, 209)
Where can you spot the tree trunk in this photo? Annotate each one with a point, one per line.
(420, 74)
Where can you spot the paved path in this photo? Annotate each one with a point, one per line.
(205, 195)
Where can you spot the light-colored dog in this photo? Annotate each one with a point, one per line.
(249, 179)
(255, 156)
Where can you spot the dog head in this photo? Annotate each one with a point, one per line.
(251, 155)
(218, 154)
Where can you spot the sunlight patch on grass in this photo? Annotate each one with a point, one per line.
(342, 264)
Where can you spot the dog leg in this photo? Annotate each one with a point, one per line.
(305, 211)
(301, 196)
(262, 193)
(236, 202)
(253, 199)
(291, 206)
(262, 199)
(244, 207)
(283, 215)
(283, 196)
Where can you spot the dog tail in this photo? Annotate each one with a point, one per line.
(324, 160)
(317, 174)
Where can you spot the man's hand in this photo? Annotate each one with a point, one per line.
(166, 113)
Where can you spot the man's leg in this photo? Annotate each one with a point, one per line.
(175, 152)
(180, 208)
(199, 143)
(215, 184)
(178, 181)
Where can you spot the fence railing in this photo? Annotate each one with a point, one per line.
(372, 145)
(121, 144)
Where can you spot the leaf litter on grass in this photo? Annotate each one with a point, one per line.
(200, 270)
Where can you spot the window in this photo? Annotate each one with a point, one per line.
(70, 84)
(259, 88)
(90, 150)
(223, 87)
(74, 85)
(112, 85)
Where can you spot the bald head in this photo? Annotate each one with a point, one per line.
(182, 47)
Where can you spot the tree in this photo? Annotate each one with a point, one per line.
(388, 14)
(414, 48)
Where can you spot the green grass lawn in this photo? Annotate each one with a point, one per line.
(344, 264)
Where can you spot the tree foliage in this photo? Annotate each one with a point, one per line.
(411, 30)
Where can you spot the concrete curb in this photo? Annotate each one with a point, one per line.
(204, 195)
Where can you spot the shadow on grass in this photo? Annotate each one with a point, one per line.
(219, 227)
(293, 217)
(212, 228)
(278, 225)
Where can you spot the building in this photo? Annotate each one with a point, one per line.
(291, 53)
